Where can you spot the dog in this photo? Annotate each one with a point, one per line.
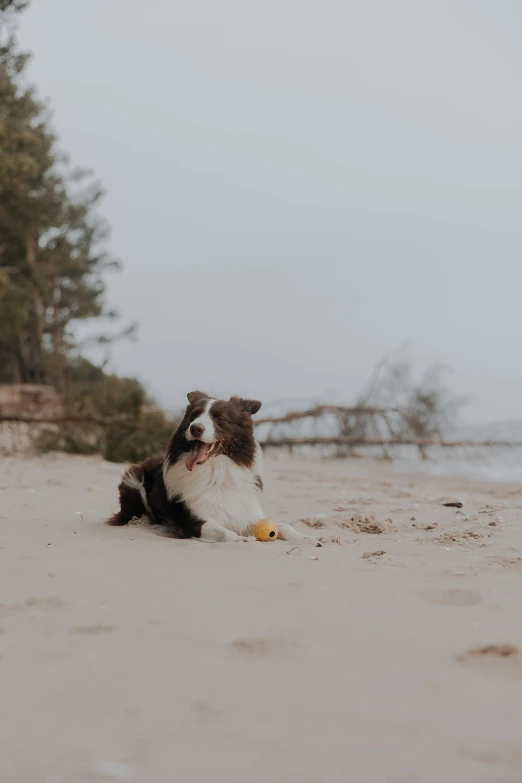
(209, 483)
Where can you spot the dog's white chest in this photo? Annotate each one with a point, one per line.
(219, 490)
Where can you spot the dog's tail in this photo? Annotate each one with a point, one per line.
(133, 498)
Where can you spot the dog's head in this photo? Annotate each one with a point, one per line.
(212, 427)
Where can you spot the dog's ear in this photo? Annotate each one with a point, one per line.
(196, 396)
(250, 406)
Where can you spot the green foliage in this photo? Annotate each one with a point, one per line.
(92, 392)
(52, 267)
(52, 240)
(12, 5)
(53, 263)
(137, 429)
(125, 441)
(133, 442)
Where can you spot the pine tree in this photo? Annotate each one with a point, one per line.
(52, 260)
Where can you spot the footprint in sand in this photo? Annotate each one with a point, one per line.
(490, 752)
(206, 712)
(498, 660)
(452, 597)
(42, 604)
(506, 562)
(262, 647)
(93, 629)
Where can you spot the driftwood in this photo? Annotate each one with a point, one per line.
(320, 410)
(393, 436)
(316, 412)
(65, 420)
(289, 442)
(362, 426)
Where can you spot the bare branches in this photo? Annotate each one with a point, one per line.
(319, 410)
(360, 427)
(291, 442)
(394, 409)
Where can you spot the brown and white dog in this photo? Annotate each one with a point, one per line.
(209, 483)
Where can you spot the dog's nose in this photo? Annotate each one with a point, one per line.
(197, 430)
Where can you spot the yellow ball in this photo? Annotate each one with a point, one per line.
(266, 530)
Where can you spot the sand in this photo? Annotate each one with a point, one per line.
(391, 653)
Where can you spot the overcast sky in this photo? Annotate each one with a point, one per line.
(298, 186)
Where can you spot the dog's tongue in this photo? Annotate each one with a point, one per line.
(197, 456)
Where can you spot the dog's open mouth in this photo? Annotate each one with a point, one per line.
(199, 455)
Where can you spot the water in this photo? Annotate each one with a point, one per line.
(485, 463)
(488, 465)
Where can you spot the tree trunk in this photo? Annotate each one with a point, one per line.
(35, 322)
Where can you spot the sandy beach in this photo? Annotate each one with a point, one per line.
(388, 655)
